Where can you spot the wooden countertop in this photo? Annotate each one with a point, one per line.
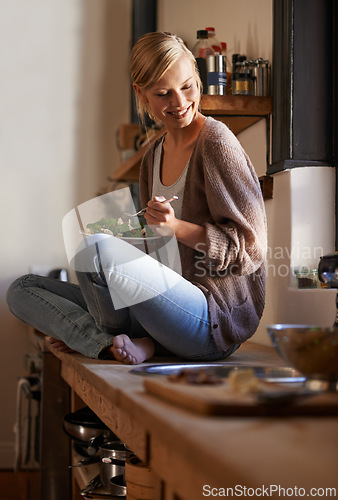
(188, 450)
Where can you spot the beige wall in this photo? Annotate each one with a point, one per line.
(245, 26)
(39, 75)
(297, 236)
(64, 91)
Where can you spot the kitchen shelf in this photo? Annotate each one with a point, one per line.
(129, 169)
(236, 105)
(237, 112)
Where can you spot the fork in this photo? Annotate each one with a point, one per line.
(142, 211)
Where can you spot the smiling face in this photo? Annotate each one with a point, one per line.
(174, 98)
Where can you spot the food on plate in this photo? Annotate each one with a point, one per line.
(244, 381)
(119, 227)
(195, 377)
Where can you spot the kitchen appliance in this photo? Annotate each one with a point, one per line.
(27, 425)
(328, 274)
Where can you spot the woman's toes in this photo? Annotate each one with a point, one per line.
(60, 345)
(132, 351)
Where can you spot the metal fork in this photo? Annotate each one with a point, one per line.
(142, 211)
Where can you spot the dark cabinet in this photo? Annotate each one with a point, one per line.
(303, 83)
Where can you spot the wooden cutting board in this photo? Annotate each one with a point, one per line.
(222, 400)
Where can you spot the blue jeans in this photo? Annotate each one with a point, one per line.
(88, 316)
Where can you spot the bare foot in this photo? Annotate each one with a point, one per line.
(59, 345)
(132, 351)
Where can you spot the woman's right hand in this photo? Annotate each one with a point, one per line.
(159, 213)
(163, 214)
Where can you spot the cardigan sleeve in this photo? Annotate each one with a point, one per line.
(236, 239)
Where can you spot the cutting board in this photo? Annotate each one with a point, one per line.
(222, 400)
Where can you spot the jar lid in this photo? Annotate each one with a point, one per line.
(305, 271)
(202, 34)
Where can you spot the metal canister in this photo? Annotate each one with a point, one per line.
(260, 71)
(217, 75)
(252, 68)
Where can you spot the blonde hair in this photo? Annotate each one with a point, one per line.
(152, 55)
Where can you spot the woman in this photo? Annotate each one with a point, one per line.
(218, 220)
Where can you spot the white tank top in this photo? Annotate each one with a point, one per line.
(176, 189)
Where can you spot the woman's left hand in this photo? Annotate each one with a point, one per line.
(160, 214)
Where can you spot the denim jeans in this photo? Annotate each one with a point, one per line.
(135, 295)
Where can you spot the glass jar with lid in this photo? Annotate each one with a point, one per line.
(306, 278)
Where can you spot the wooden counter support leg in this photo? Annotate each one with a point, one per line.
(55, 447)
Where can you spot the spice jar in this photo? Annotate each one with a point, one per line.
(242, 83)
(307, 278)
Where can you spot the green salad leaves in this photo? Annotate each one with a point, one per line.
(120, 228)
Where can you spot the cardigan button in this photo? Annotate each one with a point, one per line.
(215, 325)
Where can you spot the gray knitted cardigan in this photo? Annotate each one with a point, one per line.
(222, 193)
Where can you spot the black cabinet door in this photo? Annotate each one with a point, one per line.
(304, 64)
